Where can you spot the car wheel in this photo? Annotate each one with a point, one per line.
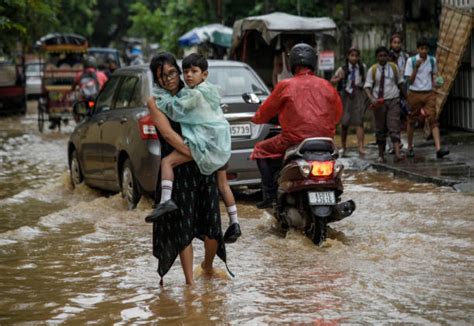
(75, 170)
(129, 185)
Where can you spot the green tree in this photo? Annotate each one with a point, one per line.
(166, 25)
(76, 16)
(24, 21)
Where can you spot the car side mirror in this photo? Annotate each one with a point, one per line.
(251, 98)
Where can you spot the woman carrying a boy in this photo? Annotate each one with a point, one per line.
(195, 194)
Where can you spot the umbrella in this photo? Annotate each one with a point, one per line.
(213, 33)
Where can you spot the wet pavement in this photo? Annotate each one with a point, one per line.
(455, 170)
(78, 256)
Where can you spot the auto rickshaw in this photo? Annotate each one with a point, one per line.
(63, 56)
(259, 40)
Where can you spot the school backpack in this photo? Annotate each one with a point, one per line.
(432, 63)
(89, 85)
(341, 85)
(394, 69)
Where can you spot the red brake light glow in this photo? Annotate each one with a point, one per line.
(147, 128)
(322, 169)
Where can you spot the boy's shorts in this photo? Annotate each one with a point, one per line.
(422, 100)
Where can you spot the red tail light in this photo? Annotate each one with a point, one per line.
(91, 104)
(231, 176)
(322, 169)
(147, 128)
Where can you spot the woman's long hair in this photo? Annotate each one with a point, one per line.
(160, 60)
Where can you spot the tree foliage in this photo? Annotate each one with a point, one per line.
(158, 21)
(167, 23)
(24, 20)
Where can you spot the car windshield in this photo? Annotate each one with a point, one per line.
(7, 74)
(33, 69)
(102, 56)
(235, 81)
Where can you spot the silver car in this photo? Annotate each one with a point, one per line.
(116, 146)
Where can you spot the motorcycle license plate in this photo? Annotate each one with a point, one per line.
(322, 198)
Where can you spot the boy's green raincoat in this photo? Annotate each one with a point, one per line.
(203, 125)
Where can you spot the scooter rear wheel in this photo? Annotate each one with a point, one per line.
(317, 230)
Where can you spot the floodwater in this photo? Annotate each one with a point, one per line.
(76, 256)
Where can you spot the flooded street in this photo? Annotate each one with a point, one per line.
(75, 256)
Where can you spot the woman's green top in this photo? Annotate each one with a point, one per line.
(203, 125)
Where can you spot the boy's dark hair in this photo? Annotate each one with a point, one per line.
(422, 41)
(381, 49)
(160, 60)
(195, 60)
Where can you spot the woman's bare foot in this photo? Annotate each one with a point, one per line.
(361, 152)
(208, 270)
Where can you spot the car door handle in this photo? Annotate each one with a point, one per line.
(100, 122)
(123, 120)
(224, 107)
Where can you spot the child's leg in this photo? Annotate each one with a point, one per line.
(167, 176)
(227, 196)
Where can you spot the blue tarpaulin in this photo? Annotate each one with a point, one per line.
(213, 33)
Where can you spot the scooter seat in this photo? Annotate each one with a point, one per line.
(316, 144)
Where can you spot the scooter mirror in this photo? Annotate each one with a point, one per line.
(251, 98)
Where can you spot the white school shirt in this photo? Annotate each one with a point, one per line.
(390, 90)
(401, 61)
(357, 79)
(423, 79)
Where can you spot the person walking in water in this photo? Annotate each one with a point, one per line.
(206, 133)
(196, 194)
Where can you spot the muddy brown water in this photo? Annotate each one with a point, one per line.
(76, 256)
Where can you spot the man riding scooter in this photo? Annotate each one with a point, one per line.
(306, 106)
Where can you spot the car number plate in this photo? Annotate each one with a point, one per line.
(322, 198)
(239, 130)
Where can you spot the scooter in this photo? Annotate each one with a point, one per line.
(309, 186)
(310, 189)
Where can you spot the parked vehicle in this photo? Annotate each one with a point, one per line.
(116, 146)
(62, 55)
(103, 55)
(34, 75)
(256, 39)
(12, 88)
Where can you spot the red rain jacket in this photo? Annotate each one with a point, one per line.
(306, 105)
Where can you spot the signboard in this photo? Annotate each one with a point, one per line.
(326, 60)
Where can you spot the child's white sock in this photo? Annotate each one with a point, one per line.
(232, 211)
(166, 190)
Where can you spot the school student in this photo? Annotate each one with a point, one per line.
(421, 72)
(350, 79)
(382, 86)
